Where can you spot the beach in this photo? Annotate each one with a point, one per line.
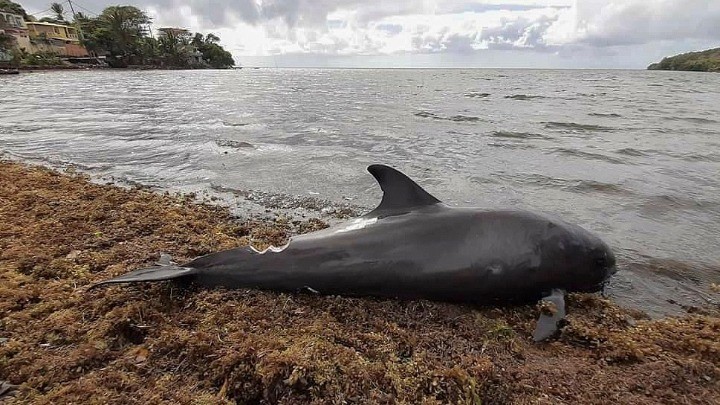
(164, 343)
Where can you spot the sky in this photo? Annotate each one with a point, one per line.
(439, 33)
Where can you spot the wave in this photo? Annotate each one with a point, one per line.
(464, 118)
(456, 118)
(696, 157)
(477, 95)
(607, 115)
(509, 145)
(518, 135)
(576, 186)
(280, 201)
(235, 124)
(583, 186)
(688, 157)
(695, 120)
(523, 97)
(588, 155)
(576, 127)
(233, 144)
(631, 152)
(661, 205)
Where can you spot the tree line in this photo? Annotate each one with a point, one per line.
(123, 35)
(703, 61)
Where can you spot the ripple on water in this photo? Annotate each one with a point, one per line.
(509, 145)
(588, 155)
(473, 94)
(227, 143)
(575, 127)
(235, 124)
(523, 97)
(455, 118)
(572, 185)
(605, 115)
(658, 206)
(652, 283)
(694, 120)
(631, 152)
(518, 135)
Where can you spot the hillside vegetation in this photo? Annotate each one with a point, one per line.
(703, 61)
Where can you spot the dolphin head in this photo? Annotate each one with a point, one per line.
(581, 261)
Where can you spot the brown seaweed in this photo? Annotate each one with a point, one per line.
(166, 344)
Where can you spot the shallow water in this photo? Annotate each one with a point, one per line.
(632, 155)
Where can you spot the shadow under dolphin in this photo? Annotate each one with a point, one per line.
(412, 246)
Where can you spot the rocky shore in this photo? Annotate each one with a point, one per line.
(165, 344)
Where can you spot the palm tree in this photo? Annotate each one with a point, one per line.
(123, 30)
(59, 11)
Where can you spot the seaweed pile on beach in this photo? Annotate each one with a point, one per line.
(59, 343)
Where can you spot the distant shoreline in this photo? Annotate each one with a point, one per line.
(702, 61)
(97, 67)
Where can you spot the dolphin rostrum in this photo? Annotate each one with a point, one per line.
(412, 246)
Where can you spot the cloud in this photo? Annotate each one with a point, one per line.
(520, 33)
(383, 27)
(625, 22)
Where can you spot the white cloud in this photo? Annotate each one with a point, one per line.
(383, 27)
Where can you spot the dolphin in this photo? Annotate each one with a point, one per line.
(412, 246)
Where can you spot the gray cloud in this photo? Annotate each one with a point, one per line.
(628, 22)
(519, 33)
(392, 29)
(585, 28)
(475, 7)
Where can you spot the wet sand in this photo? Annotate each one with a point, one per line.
(166, 344)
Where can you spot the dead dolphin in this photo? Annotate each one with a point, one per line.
(412, 246)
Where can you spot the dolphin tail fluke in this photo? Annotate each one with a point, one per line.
(162, 271)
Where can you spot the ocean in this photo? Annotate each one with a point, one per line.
(633, 156)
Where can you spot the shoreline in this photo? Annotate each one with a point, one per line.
(96, 67)
(59, 233)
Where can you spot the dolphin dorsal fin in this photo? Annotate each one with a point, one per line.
(400, 194)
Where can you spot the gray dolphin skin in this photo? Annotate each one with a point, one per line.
(412, 246)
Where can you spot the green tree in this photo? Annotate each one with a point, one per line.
(120, 34)
(214, 54)
(175, 49)
(705, 61)
(198, 40)
(59, 11)
(119, 31)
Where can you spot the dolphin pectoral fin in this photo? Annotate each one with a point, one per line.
(150, 274)
(552, 311)
(400, 193)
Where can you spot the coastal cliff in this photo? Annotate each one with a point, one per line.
(702, 61)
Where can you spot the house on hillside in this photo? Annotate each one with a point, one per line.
(172, 31)
(14, 25)
(60, 39)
